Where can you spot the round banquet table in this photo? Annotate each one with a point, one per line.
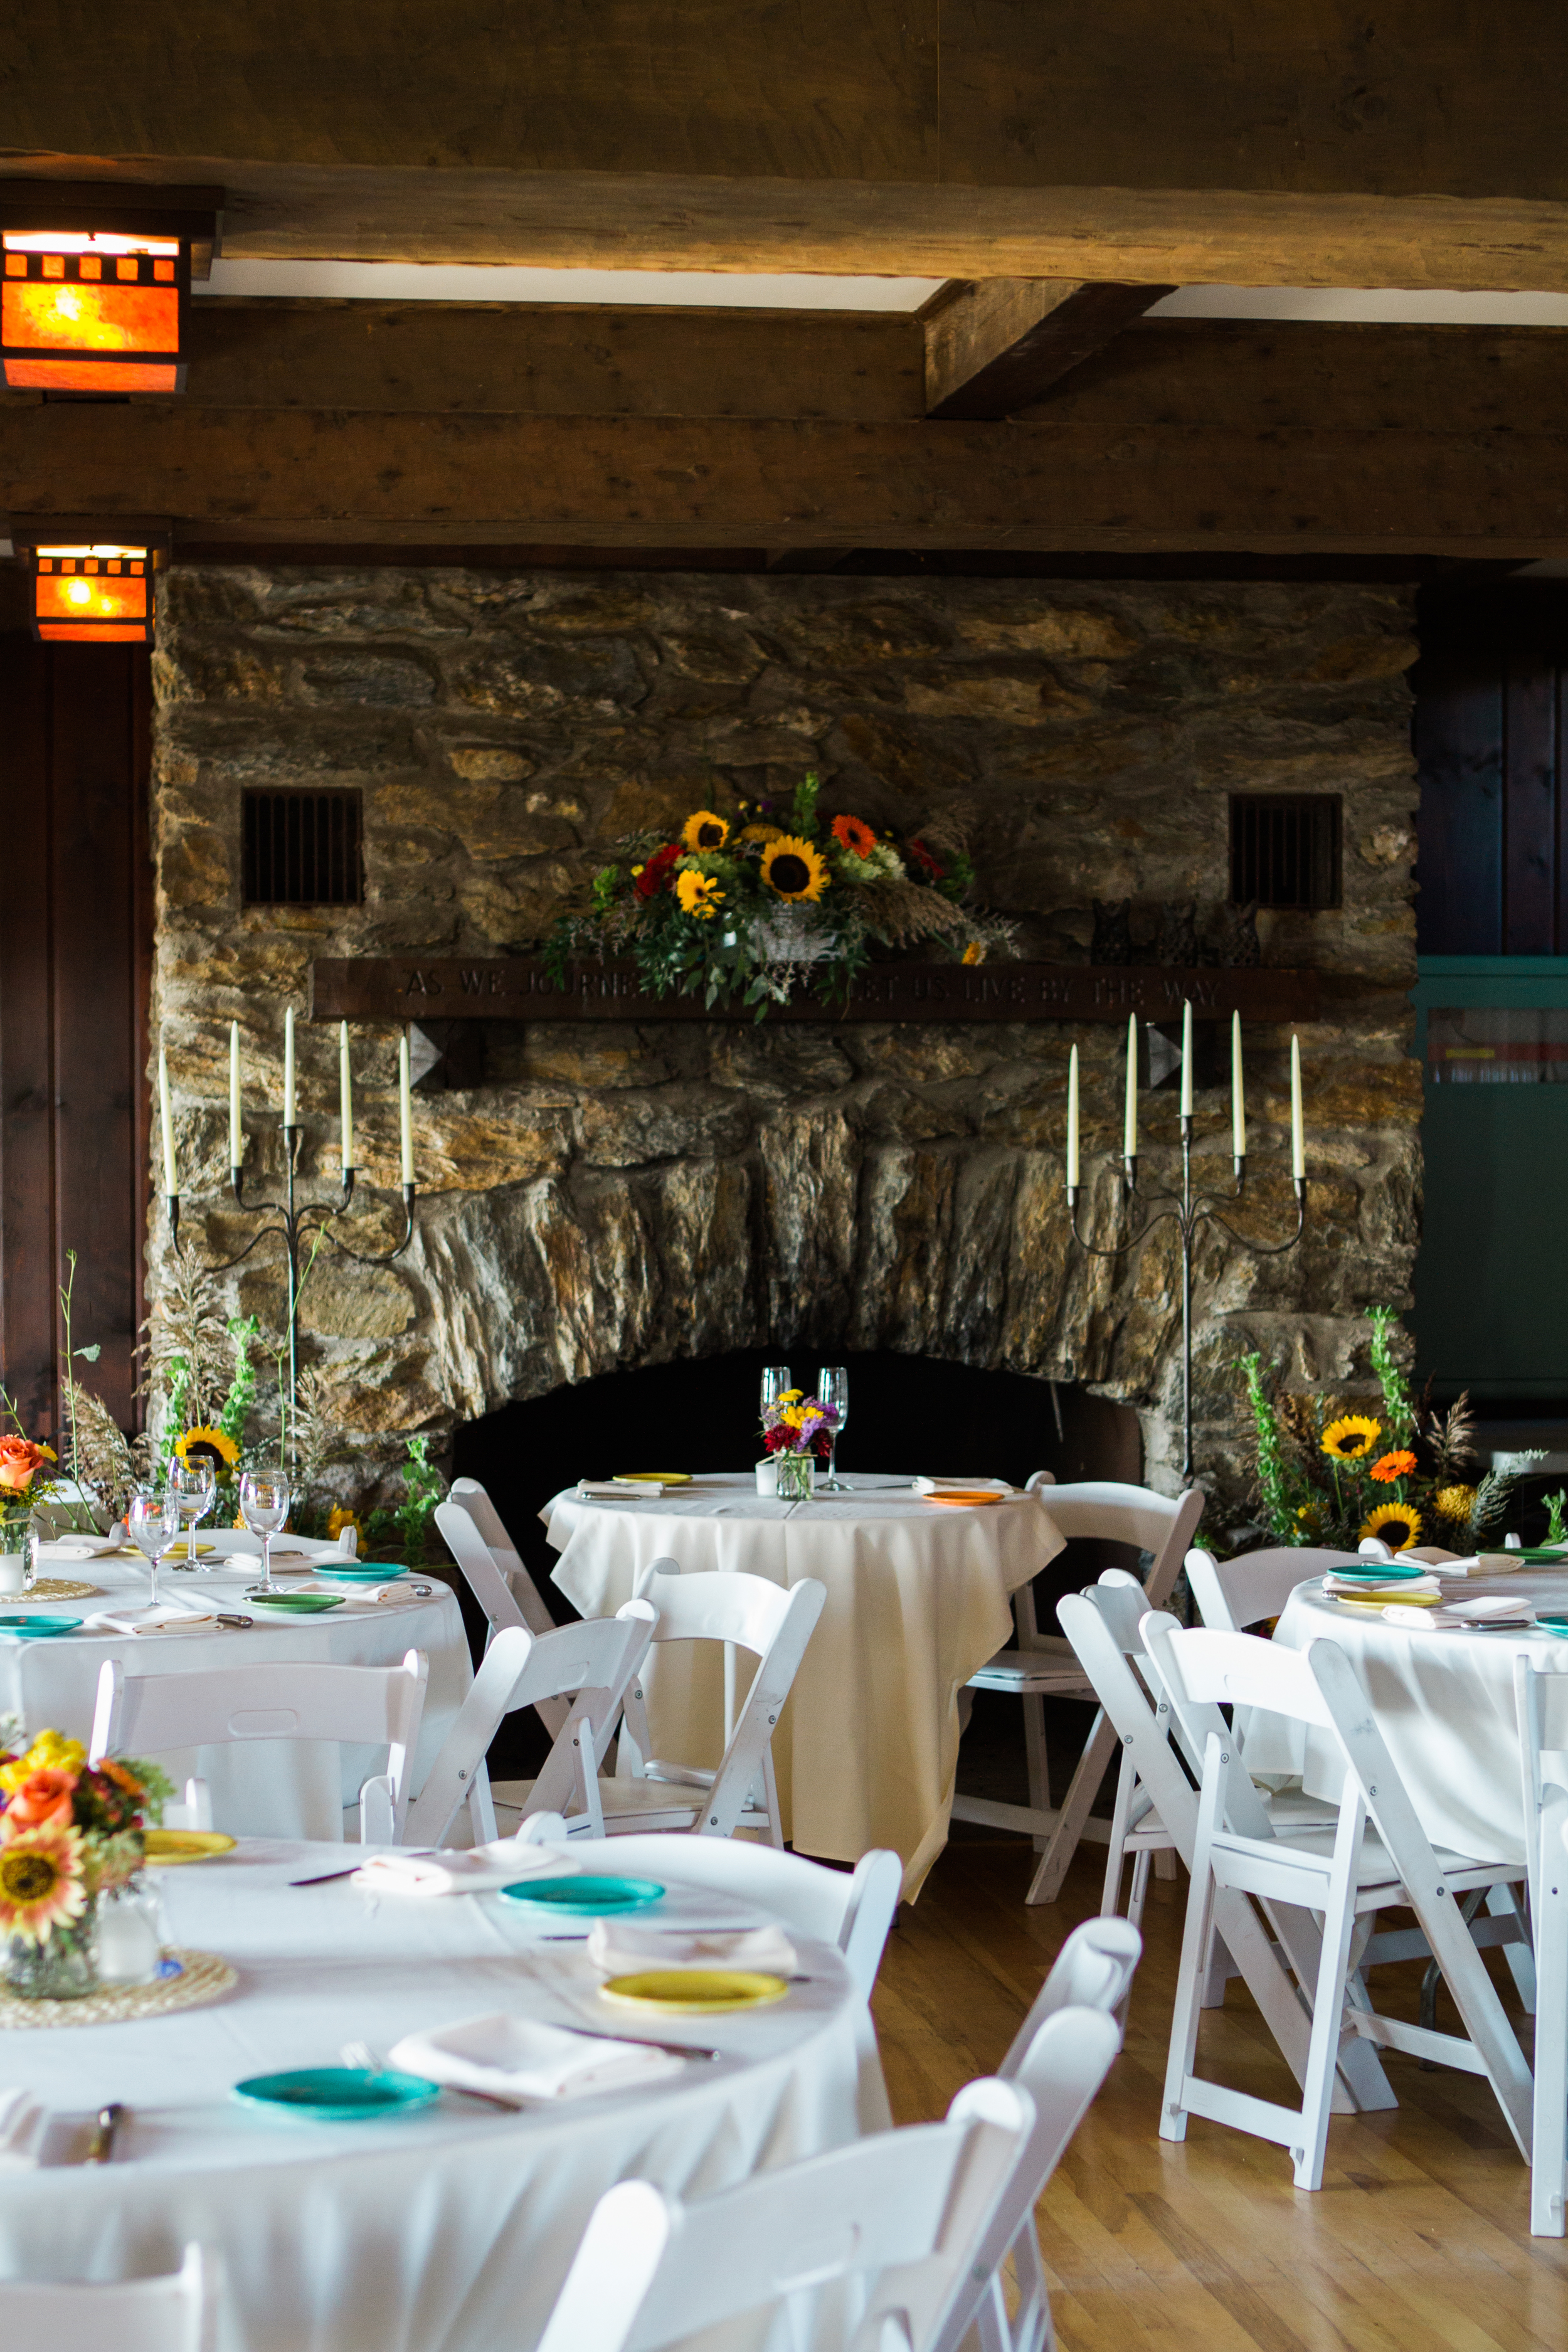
(447, 2230)
(279, 1788)
(917, 1600)
(1442, 1701)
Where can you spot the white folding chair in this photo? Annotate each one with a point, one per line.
(774, 1622)
(1233, 1594)
(1136, 1830)
(899, 2217)
(853, 1910)
(583, 1668)
(176, 2312)
(1043, 1666)
(1347, 1875)
(474, 1534)
(376, 1706)
(1541, 1707)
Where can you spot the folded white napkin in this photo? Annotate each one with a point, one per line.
(22, 2122)
(1484, 1610)
(402, 1588)
(477, 1871)
(618, 1489)
(619, 1947)
(964, 1487)
(172, 1620)
(513, 2058)
(1368, 1588)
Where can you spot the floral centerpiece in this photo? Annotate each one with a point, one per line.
(21, 1488)
(1334, 1478)
(68, 1834)
(750, 909)
(797, 1431)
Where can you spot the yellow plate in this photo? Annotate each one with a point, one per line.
(695, 1993)
(649, 1478)
(1392, 1593)
(182, 1551)
(164, 1848)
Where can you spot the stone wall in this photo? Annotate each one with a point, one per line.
(612, 1196)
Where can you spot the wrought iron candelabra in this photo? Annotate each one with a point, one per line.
(295, 1221)
(1190, 1210)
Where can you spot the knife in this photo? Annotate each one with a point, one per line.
(100, 2147)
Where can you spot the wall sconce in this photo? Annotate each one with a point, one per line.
(94, 285)
(92, 578)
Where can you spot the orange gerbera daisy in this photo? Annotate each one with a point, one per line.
(1391, 1466)
(850, 833)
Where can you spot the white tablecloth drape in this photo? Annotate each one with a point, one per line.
(450, 2232)
(266, 1788)
(1444, 1703)
(916, 1599)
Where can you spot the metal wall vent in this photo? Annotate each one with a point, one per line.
(302, 849)
(1285, 849)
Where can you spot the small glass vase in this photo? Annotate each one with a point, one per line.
(15, 1551)
(62, 1969)
(798, 1477)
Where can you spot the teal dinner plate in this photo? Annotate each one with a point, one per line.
(1394, 1573)
(337, 2095)
(298, 1604)
(361, 1572)
(25, 1626)
(1554, 1620)
(583, 1898)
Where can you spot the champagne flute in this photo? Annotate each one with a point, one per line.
(264, 1507)
(194, 1484)
(775, 1380)
(833, 1388)
(153, 1521)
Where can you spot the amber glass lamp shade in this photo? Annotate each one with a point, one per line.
(93, 595)
(92, 312)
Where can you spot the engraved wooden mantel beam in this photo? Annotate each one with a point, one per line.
(519, 988)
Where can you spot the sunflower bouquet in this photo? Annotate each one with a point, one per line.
(1335, 1479)
(750, 909)
(69, 1832)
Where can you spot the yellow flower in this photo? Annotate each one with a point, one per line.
(792, 1396)
(700, 895)
(40, 1883)
(337, 1520)
(761, 833)
(793, 868)
(51, 1752)
(1398, 1524)
(703, 831)
(1309, 1520)
(637, 869)
(214, 1445)
(1455, 1503)
(974, 953)
(1349, 1439)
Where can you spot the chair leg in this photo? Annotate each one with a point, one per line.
(1116, 1854)
(1549, 2134)
(1329, 2002)
(1197, 1933)
(1076, 1806)
(1035, 1757)
(1140, 1894)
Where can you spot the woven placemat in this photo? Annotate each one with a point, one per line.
(205, 1977)
(59, 1588)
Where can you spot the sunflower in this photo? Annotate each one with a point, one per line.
(40, 1884)
(214, 1445)
(699, 894)
(338, 1519)
(793, 868)
(1349, 1439)
(1455, 1503)
(703, 831)
(763, 833)
(1398, 1524)
(851, 832)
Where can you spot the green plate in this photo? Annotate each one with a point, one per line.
(298, 1604)
(1542, 1556)
(1395, 1572)
(586, 1895)
(25, 1626)
(361, 1572)
(337, 2095)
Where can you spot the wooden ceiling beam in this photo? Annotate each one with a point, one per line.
(1002, 343)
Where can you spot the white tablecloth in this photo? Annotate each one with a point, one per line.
(449, 2232)
(279, 1788)
(916, 1599)
(1444, 1703)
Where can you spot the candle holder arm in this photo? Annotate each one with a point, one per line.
(1161, 1216)
(1210, 1216)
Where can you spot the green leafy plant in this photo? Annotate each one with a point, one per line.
(1555, 1506)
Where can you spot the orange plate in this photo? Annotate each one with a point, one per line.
(970, 1497)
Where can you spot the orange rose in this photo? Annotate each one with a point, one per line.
(43, 1801)
(19, 1463)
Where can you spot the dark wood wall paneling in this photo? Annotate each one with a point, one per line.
(1491, 743)
(75, 962)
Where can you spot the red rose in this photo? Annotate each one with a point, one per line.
(656, 873)
(43, 1801)
(922, 856)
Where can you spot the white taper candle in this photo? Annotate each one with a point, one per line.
(236, 1123)
(1129, 1137)
(290, 1105)
(346, 1096)
(170, 1172)
(1072, 1121)
(406, 1109)
(1298, 1136)
(1187, 1058)
(1238, 1092)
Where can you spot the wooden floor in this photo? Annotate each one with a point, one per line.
(1419, 2237)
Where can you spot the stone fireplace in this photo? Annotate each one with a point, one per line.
(617, 1196)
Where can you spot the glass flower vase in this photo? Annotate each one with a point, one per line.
(798, 1477)
(63, 1968)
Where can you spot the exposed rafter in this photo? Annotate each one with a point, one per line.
(1001, 344)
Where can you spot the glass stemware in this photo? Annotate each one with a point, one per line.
(264, 1507)
(775, 1380)
(833, 1388)
(193, 1486)
(154, 1522)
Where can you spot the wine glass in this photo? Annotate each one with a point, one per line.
(153, 1521)
(833, 1388)
(193, 1485)
(775, 1380)
(264, 1507)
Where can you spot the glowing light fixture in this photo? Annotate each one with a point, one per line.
(92, 580)
(93, 311)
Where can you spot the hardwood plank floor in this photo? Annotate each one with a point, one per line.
(1419, 2241)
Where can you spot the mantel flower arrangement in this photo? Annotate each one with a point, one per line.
(750, 910)
(1334, 1479)
(68, 1834)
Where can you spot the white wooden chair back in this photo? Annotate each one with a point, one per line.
(586, 1668)
(852, 1910)
(903, 2211)
(1092, 1970)
(473, 1531)
(1232, 1594)
(373, 1707)
(177, 2313)
(1116, 1513)
(774, 1622)
(1223, 1669)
